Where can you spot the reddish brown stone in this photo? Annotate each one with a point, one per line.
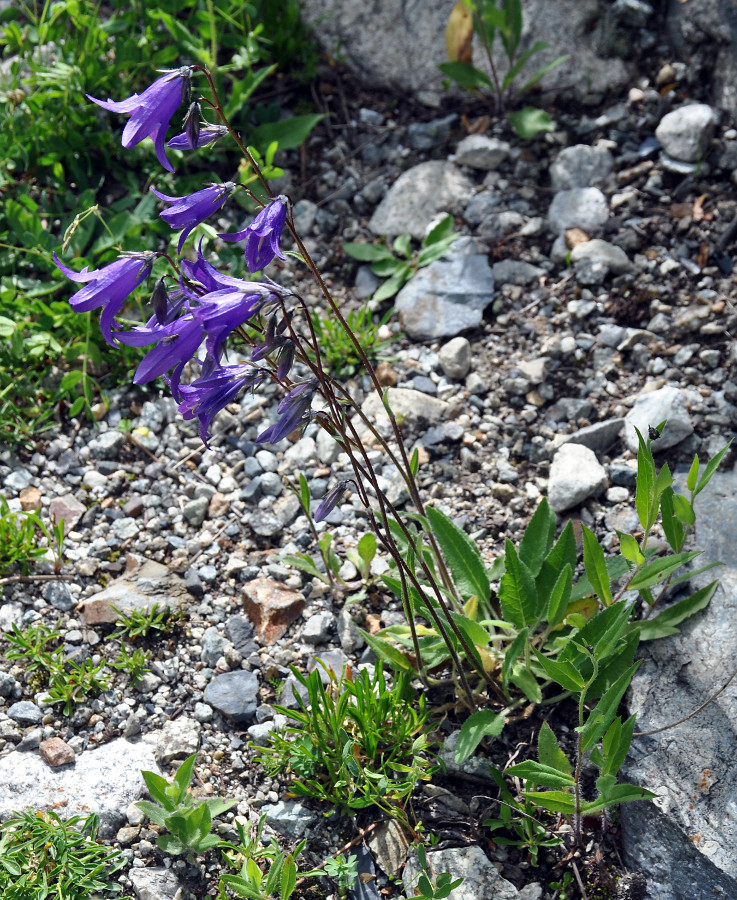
(30, 499)
(271, 607)
(67, 508)
(56, 752)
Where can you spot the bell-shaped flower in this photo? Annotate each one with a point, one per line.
(151, 111)
(294, 412)
(214, 390)
(176, 345)
(109, 286)
(221, 312)
(262, 235)
(330, 501)
(188, 211)
(207, 134)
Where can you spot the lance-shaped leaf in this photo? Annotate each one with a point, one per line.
(664, 623)
(537, 773)
(605, 710)
(462, 555)
(477, 726)
(517, 592)
(538, 538)
(595, 565)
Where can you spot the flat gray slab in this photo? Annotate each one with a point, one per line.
(685, 842)
(105, 780)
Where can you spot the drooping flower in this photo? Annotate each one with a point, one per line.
(330, 501)
(221, 312)
(109, 286)
(151, 111)
(213, 391)
(188, 211)
(262, 235)
(208, 134)
(293, 411)
(176, 344)
(278, 345)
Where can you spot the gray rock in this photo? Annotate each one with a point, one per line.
(10, 614)
(455, 358)
(481, 205)
(575, 475)
(686, 133)
(25, 713)
(289, 818)
(584, 208)
(417, 196)
(234, 694)
(18, 480)
(426, 135)
(481, 879)
(301, 453)
(56, 593)
(366, 282)
(580, 166)
(481, 152)
(599, 257)
(327, 448)
(304, 216)
(516, 271)
(155, 884)
(106, 445)
(633, 12)
(105, 780)
(178, 738)
(145, 583)
(7, 684)
(318, 627)
(448, 296)
(598, 437)
(669, 404)
(686, 839)
(213, 644)
(413, 408)
(195, 511)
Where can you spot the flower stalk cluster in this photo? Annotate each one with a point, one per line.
(199, 311)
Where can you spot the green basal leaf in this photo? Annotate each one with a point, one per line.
(436, 251)
(711, 468)
(288, 878)
(529, 122)
(402, 245)
(526, 682)
(512, 655)
(537, 541)
(157, 787)
(620, 793)
(537, 773)
(605, 710)
(663, 624)
(156, 813)
(304, 563)
(367, 548)
(394, 284)
(517, 592)
(563, 673)
(644, 494)
(477, 726)
(462, 555)
(683, 509)
(549, 753)
(169, 843)
(658, 570)
(595, 566)
(616, 744)
(387, 652)
(386, 267)
(693, 474)
(439, 232)
(466, 75)
(183, 776)
(288, 133)
(217, 805)
(675, 533)
(560, 597)
(630, 548)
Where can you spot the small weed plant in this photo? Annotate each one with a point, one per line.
(43, 855)
(341, 358)
(188, 822)
(355, 742)
(397, 265)
(138, 623)
(486, 19)
(20, 533)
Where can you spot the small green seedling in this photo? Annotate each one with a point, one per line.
(189, 823)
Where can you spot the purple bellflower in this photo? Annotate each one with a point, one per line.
(188, 211)
(330, 501)
(213, 391)
(262, 235)
(221, 312)
(108, 287)
(294, 412)
(176, 344)
(208, 134)
(151, 111)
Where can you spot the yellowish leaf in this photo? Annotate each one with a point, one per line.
(459, 33)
